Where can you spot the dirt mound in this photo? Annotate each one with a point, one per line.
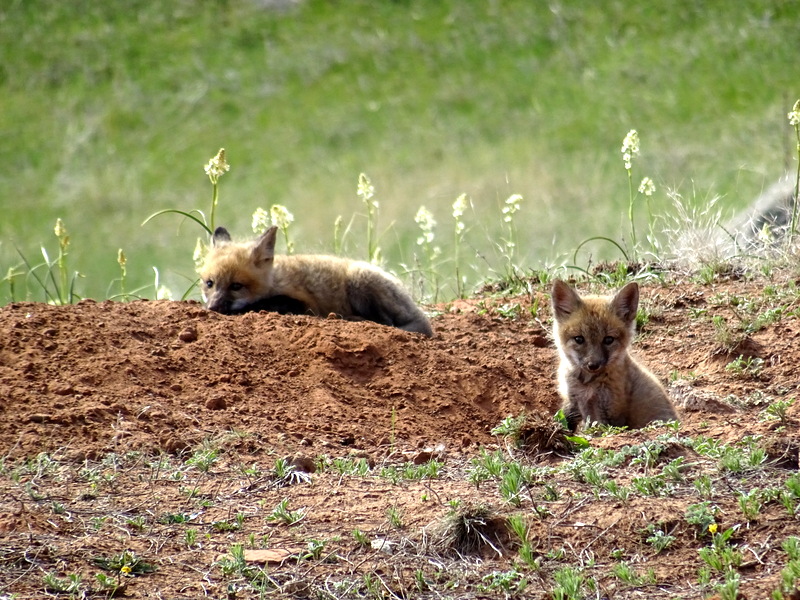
(162, 376)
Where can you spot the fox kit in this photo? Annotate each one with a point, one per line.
(237, 277)
(597, 378)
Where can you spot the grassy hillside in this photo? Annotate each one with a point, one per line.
(110, 111)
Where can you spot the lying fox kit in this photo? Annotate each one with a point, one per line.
(597, 378)
(239, 277)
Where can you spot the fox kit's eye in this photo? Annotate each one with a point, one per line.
(578, 339)
(608, 340)
(209, 283)
(235, 287)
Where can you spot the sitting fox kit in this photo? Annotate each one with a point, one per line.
(238, 277)
(597, 379)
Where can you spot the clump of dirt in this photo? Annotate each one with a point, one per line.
(118, 420)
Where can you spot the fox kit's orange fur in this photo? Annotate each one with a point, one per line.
(597, 378)
(237, 276)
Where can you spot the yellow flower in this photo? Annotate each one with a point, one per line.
(712, 529)
(126, 570)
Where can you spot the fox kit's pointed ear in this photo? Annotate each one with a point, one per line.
(220, 237)
(565, 300)
(626, 302)
(264, 249)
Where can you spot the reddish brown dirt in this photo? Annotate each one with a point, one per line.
(162, 376)
(147, 379)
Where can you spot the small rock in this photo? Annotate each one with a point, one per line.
(540, 341)
(383, 545)
(216, 403)
(62, 389)
(188, 335)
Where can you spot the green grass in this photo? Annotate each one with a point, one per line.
(111, 110)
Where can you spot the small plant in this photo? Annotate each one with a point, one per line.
(746, 368)
(625, 573)
(703, 517)
(361, 538)
(790, 574)
(620, 492)
(234, 565)
(215, 168)
(570, 582)
(395, 516)
(511, 583)
(526, 550)
(137, 523)
(366, 191)
(720, 556)
(655, 485)
(794, 121)
(509, 242)
(729, 589)
(56, 284)
(350, 466)
(515, 480)
(751, 504)
(510, 427)
(704, 486)
(174, 518)
(779, 410)
(314, 550)
(190, 537)
(282, 513)
(487, 466)
(459, 207)
(427, 223)
(126, 562)
(72, 584)
(658, 538)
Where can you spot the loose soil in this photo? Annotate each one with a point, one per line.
(155, 428)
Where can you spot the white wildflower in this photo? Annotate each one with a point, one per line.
(459, 207)
(647, 187)
(261, 220)
(511, 207)
(424, 218)
(217, 166)
(200, 251)
(630, 147)
(366, 190)
(163, 293)
(281, 217)
(794, 116)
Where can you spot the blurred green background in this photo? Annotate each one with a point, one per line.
(110, 110)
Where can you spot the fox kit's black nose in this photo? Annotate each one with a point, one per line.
(593, 367)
